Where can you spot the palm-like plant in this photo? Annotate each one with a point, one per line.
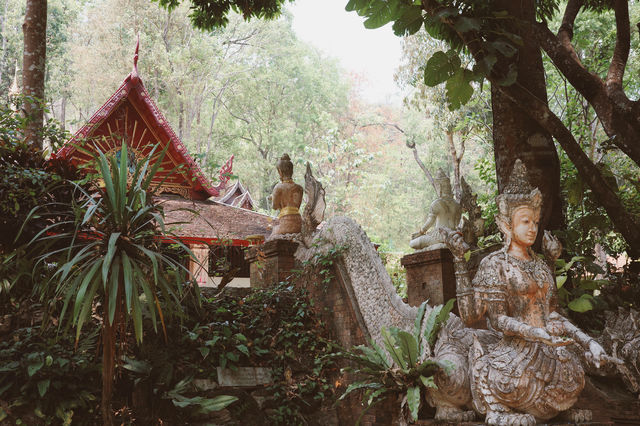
(109, 251)
(405, 368)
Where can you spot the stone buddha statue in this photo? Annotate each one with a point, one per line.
(287, 197)
(526, 373)
(444, 212)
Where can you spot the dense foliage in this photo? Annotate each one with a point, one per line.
(107, 249)
(46, 379)
(26, 180)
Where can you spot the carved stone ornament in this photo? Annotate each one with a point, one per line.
(621, 338)
(515, 360)
(527, 366)
(443, 212)
(315, 206)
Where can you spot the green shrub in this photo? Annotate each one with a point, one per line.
(44, 378)
(404, 369)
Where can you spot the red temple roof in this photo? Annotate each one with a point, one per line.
(131, 115)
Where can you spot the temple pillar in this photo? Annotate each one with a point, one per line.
(430, 276)
(199, 266)
(271, 262)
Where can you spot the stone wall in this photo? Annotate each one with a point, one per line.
(355, 303)
(363, 276)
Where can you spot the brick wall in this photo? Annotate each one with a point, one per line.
(271, 262)
(332, 303)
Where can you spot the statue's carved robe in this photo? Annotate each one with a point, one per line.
(524, 376)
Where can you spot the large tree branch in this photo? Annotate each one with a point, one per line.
(614, 109)
(621, 51)
(587, 83)
(412, 146)
(565, 32)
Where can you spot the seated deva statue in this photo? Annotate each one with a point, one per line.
(287, 197)
(528, 374)
(444, 212)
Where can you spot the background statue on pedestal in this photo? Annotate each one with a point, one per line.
(287, 197)
(444, 212)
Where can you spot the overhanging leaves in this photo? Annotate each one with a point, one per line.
(459, 89)
(409, 22)
(441, 67)
(464, 24)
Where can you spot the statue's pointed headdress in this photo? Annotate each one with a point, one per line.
(518, 193)
(441, 175)
(442, 182)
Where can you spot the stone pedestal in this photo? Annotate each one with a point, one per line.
(270, 262)
(430, 276)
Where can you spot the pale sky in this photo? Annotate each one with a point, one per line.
(375, 54)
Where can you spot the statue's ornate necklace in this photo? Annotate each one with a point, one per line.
(532, 268)
(287, 180)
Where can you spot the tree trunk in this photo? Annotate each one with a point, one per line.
(34, 29)
(180, 115)
(4, 39)
(456, 158)
(199, 137)
(517, 135)
(63, 112)
(108, 363)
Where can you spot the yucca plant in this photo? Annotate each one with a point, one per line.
(404, 369)
(110, 260)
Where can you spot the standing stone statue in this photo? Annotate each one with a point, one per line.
(444, 212)
(525, 372)
(287, 197)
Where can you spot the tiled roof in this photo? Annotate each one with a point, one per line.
(211, 220)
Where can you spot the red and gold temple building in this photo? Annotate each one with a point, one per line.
(225, 223)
